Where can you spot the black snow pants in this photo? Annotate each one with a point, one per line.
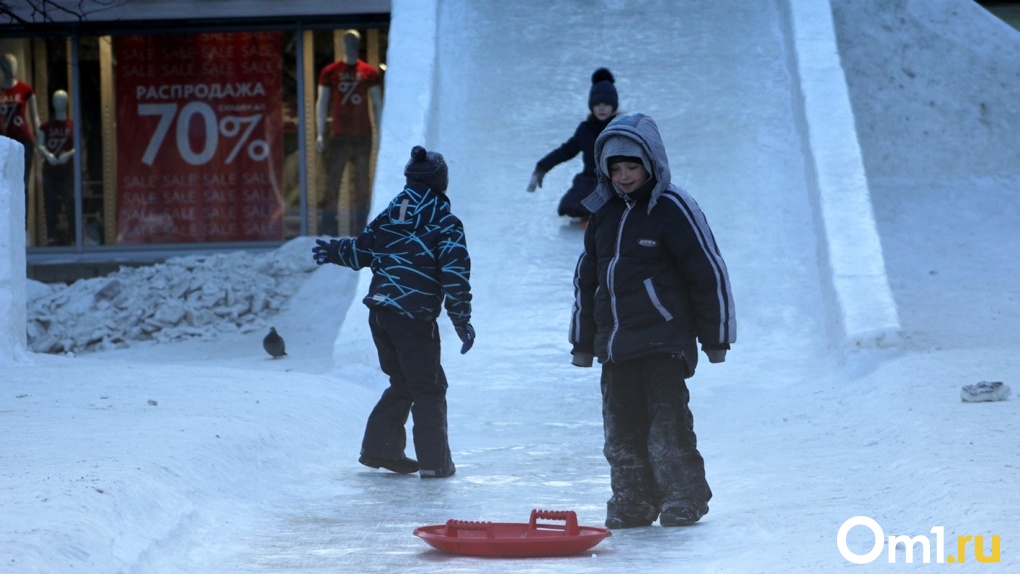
(358, 151)
(58, 194)
(570, 203)
(409, 355)
(650, 442)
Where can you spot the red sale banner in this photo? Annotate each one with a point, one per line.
(200, 137)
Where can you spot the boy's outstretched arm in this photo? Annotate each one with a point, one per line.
(353, 252)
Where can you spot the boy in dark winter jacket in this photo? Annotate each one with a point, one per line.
(419, 260)
(649, 285)
(602, 103)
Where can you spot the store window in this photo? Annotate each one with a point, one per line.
(157, 139)
(34, 108)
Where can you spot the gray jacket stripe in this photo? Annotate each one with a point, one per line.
(708, 246)
(575, 317)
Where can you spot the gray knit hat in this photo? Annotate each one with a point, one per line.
(621, 146)
(427, 167)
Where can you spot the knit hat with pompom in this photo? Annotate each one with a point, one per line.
(427, 167)
(603, 90)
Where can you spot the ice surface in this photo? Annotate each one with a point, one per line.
(208, 456)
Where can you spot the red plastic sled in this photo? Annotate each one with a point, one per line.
(514, 539)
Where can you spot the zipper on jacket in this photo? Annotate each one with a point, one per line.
(611, 280)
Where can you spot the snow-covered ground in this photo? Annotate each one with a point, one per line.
(208, 456)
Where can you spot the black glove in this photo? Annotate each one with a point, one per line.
(324, 252)
(536, 179)
(467, 335)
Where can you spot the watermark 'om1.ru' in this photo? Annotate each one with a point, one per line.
(910, 543)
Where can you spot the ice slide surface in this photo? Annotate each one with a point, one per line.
(512, 84)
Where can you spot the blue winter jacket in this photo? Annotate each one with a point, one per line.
(651, 278)
(418, 256)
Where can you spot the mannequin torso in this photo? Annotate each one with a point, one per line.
(345, 89)
(56, 136)
(19, 119)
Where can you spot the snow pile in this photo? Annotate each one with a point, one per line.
(941, 101)
(184, 297)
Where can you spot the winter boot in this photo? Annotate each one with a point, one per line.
(682, 515)
(632, 518)
(401, 466)
(450, 471)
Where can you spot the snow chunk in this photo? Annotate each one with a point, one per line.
(184, 297)
(985, 391)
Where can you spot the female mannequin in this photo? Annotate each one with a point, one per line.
(56, 145)
(19, 118)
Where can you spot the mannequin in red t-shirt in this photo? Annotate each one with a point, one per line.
(56, 145)
(345, 89)
(19, 117)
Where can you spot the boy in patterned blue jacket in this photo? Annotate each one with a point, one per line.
(419, 260)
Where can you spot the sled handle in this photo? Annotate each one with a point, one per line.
(453, 525)
(568, 516)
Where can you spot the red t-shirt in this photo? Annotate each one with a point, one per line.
(348, 96)
(14, 112)
(58, 137)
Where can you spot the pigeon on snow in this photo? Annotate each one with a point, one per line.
(273, 344)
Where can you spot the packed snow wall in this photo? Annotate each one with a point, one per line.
(948, 75)
(12, 250)
(408, 120)
(935, 87)
(866, 314)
